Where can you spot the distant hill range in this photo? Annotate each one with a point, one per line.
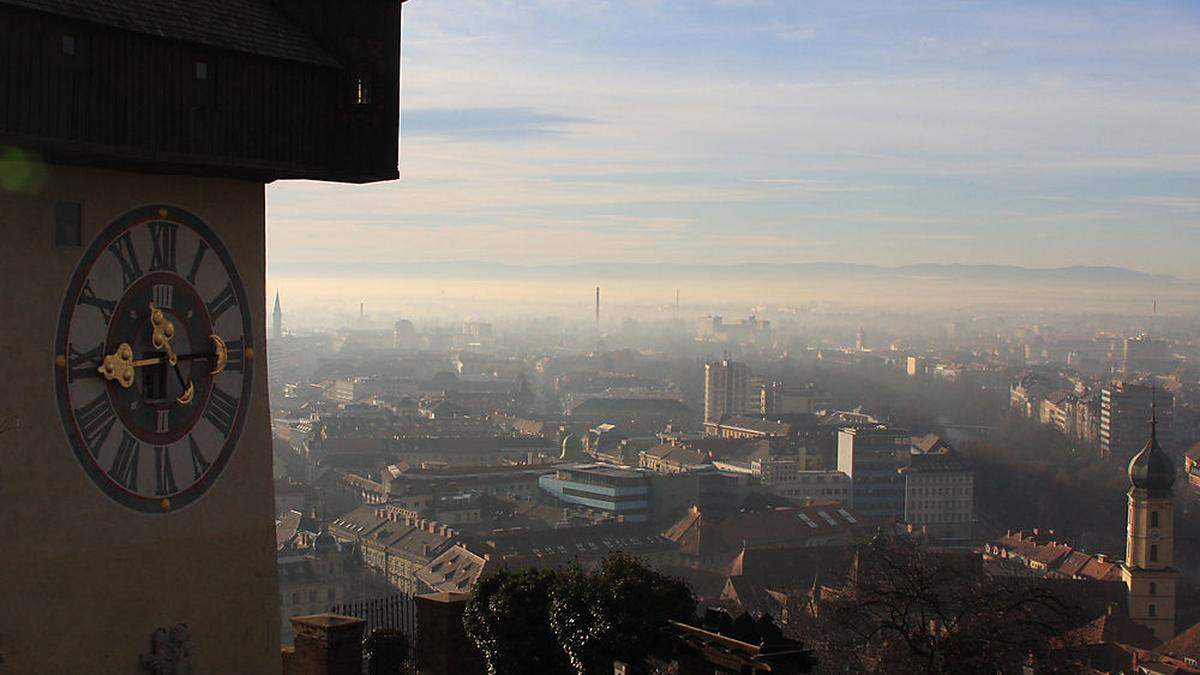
(1112, 276)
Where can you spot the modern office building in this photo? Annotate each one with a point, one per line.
(726, 389)
(1125, 410)
(1144, 354)
(641, 495)
(871, 457)
(616, 490)
(777, 398)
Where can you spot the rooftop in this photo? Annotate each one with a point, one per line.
(248, 26)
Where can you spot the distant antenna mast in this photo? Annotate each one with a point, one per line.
(362, 312)
(597, 310)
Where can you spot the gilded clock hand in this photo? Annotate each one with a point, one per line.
(221, 352)
(189, 389)
(219, 356)
(162, 330)
(119, 365)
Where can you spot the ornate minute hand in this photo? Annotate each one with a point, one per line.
(162, 330)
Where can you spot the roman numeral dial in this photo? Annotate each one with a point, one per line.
(154, 359)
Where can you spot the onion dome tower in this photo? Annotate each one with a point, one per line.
(1149, 575)
(1151, 469)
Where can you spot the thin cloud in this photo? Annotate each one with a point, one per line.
(821, 186)
(484, 123)
(561, 126)
(1175, 203)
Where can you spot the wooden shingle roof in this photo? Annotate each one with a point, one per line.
(248, 26)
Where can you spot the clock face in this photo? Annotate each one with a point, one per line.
(151, 365)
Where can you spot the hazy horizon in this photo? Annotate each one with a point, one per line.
(746, 131)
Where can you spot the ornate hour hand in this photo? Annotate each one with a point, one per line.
(119, 365)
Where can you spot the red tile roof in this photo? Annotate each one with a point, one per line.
(1073, 563)
(1034, 546)
(1110, 627)
(820, 524)
(1186, 645)
(678, 455)
(456, 570)
(1104, 570)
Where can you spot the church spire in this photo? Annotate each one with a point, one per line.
(277, 319)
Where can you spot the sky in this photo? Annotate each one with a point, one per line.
(540, 132)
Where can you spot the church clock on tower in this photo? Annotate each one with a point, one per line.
(1149, 573)
(136, 141)
(153, 341)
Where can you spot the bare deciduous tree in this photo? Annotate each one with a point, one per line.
(907, 608)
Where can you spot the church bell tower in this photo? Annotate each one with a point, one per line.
(1149, 573)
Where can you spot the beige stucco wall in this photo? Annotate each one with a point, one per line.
(83, 580)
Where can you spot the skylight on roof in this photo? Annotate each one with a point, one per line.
(808, 521)
(849, 518)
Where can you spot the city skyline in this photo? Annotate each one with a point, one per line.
(564, 132)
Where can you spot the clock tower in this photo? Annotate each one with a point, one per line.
(1149, 573)
(136, 140)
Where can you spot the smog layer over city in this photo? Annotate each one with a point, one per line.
(575, 338)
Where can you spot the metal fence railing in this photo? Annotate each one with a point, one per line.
(397, 611)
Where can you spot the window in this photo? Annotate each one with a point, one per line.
(68, 45)
(202, 70)
(1153, 552)
(1153, 588)
(1154, 519)
(1152, 610)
